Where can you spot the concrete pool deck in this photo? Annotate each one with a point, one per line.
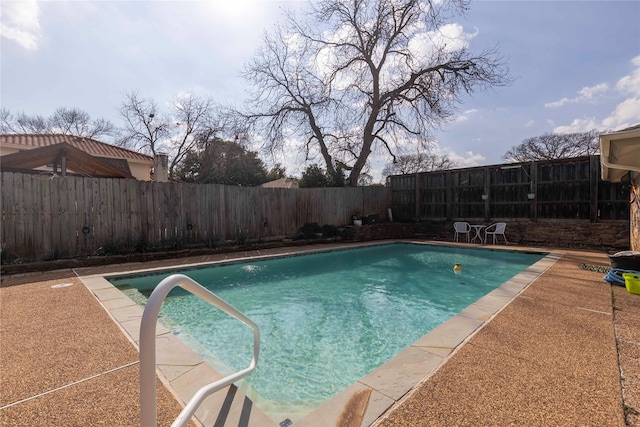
(550, 357)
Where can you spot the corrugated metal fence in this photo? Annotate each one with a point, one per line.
(553, 189)
(44, 217)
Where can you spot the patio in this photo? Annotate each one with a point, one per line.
(551, 357)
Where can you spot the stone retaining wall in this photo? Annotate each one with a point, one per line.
(609, 236)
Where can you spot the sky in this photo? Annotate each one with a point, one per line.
(575, 65)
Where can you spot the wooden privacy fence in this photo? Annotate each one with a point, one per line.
(552, 189)
(45, 218)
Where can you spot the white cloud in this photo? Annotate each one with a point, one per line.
(447, 39)
(560, 103)
(464, 116)
(578, 125)
(625, 114)
(238, 16)
(586, 94)
(631, 83)
(467, 159)
(20, 23)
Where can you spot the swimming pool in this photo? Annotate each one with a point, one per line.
(327, 319)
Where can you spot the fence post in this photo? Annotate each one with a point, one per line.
(449, 194)
(417, 198)
(594, 178)
(487, 191)
(533, 188)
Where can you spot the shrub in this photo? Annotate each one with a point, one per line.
(310, 229)
(330, 230)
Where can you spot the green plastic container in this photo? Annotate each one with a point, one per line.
(632, 282)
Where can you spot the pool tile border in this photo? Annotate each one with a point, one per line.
(184, 372)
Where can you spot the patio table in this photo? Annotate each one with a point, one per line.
(478, 232)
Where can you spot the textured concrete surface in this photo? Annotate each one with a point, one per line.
(549, 358)
(64, 362)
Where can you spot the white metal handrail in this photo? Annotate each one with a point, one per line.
(148, 403)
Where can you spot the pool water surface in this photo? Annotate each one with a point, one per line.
(326, 319)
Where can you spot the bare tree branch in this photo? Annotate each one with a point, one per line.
(555, 146)
(372, 72)
(420, 162)
(66, 121)
(187, 127)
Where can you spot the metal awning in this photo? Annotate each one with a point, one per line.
(620, 153)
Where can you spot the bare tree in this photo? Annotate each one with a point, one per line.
(555, 146)
(421, 162)
(191, 121)
(66, 121)
(144, 128)
(72, 121)
(21, 123)
(364, 75)
(196, 124)
(290, 96)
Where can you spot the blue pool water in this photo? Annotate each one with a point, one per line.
(326, 319)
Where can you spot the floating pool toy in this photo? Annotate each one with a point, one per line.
(457, 268)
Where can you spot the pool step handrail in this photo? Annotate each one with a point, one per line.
(148, 402)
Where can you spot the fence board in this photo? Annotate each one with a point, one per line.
(160, 196)
(144, 194)
(85, 218)
(95, 213)
(146, 211)
(20, 215)
(116, 205)
(27, 221)
(55, 218)
(8, 215)
(44, 218)
(191, 216)
(57, 206)
(121, 211)
(78, 214)
(209, 217)
(31, 188)
(52, 207)
(106, 212)
(67, 218)
(133, 215)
